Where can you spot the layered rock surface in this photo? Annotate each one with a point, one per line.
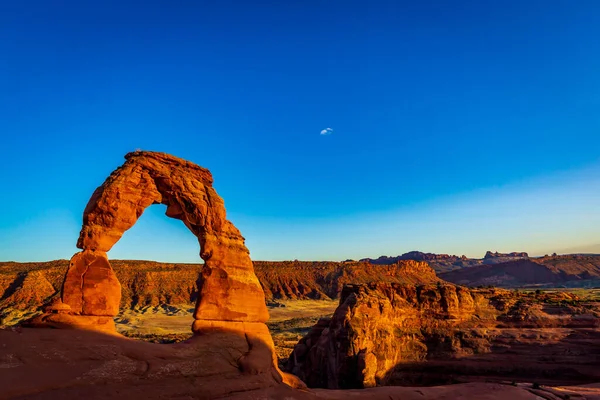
(149, 283)
(325, 280)
(398, 334)
(91, 286)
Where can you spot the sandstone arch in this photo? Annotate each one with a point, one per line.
(229, 289)
(231, 303)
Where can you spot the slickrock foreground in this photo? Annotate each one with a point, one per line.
(48, 364)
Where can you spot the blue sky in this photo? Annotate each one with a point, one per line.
(456, 127)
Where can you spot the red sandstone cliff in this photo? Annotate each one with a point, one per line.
(432, 334)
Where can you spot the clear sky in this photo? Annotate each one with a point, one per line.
(454, 126)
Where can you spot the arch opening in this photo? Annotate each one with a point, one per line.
(157, 264)
(155, 237)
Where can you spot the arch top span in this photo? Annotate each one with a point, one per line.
(148, 178)
(229, 289)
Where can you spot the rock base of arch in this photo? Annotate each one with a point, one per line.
(261, 356)
(90, 299)
(91, 286)
(68, 321)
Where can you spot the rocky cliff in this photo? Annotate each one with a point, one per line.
(322, 280)
(433, 334)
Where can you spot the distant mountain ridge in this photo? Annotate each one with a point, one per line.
(521, 254)
(571, 270)
(445, 262)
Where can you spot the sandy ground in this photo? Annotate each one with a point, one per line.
(294, 316)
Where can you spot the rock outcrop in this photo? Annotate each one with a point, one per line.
(228, 290)
(90, 286)
(230, 298)
(47, 364)
(399, 334)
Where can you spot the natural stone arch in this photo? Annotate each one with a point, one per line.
(231, 303)
(228, 291)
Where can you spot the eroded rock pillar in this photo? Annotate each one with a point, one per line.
(91, 287)
(90, 296)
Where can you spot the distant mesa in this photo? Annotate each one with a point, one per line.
(414, 255)
(495, 257)
(509, 270)
(522, 254)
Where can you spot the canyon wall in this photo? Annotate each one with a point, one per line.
(435, 334)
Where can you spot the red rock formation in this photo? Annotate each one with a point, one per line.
(571, 270)
(90, 286)
(323, 280)
(230, 298)
(232, 354)
(380, 328)
(229, 290)
(24, 293)
(149, 283)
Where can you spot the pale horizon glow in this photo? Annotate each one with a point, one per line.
(557, 213)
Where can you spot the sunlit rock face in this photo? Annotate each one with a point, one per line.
(229, 289)
(386, 334)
